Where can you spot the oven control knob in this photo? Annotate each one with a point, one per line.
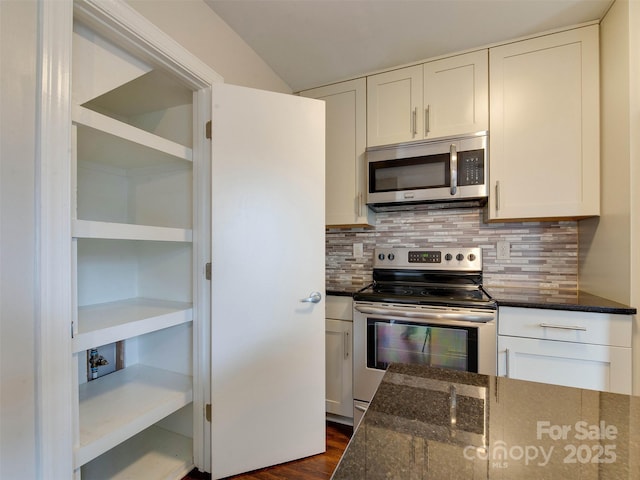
(448, 257)
(471, 257)
(459, 257)
(391, 256)
(381, 256)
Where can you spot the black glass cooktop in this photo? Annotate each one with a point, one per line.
(419, 288)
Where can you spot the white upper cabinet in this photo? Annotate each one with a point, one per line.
(544, 146)
(346, 130)
(437, 99)
(456, 95)
(394, 106)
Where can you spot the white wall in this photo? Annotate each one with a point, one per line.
(609, 258)
(201, 31)
(634, 114)
(602, 272)
(17, 239)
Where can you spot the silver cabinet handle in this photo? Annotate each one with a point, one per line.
(362, 408)
(346, 345)
(314, 297)
(427, 120)
(453, 168)
(360, 204)
(497, 196)
(564, 327)
(507, 353)
(414, 121)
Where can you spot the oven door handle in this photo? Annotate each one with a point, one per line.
(426, 314)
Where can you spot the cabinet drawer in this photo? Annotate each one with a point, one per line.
(339, 307)
(568, 326)
(579, 365)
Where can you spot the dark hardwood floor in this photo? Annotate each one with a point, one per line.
(317, 467)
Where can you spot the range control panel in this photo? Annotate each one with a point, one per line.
(425, 256)
(458, 259)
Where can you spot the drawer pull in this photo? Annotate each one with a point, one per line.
(563, 327)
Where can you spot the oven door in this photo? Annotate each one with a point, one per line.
(434, 336)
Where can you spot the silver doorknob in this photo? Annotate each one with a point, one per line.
(314, 297)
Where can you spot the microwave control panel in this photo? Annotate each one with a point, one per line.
(471, 167)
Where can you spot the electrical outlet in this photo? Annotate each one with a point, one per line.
(503, 250)
(358, 250)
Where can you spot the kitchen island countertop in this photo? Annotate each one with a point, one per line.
(426, 422)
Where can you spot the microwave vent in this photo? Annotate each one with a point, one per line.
(424, 205)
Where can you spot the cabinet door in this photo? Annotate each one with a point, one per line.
(544, 150)
(595, 367)
(456, 95)
(394, 106)
(339, 370)
(346, 130)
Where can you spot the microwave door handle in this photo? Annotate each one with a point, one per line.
(453, 168)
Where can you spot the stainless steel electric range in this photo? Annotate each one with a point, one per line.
(425, 306)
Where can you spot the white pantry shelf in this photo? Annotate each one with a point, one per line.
(110, 322)
(153, 453)
(117, 406)
(111, 141)
(127, 231)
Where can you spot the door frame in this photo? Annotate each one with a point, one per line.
(55, 404)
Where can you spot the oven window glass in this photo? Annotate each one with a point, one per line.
(445, 346)
(409, 174)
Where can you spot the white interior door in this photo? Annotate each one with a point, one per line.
(268, 248)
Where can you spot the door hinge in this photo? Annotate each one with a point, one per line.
(207, 271)
(207, 412)
(207, 130)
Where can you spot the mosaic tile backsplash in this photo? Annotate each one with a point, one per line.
(543, 254)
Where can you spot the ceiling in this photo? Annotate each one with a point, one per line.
(309, 43)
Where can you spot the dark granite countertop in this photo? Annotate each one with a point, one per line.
(496, 428)
(554, 299)
(341, 293)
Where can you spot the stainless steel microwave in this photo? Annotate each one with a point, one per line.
(447, 169)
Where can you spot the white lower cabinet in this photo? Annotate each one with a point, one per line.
(575, 349)
(339, 365)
